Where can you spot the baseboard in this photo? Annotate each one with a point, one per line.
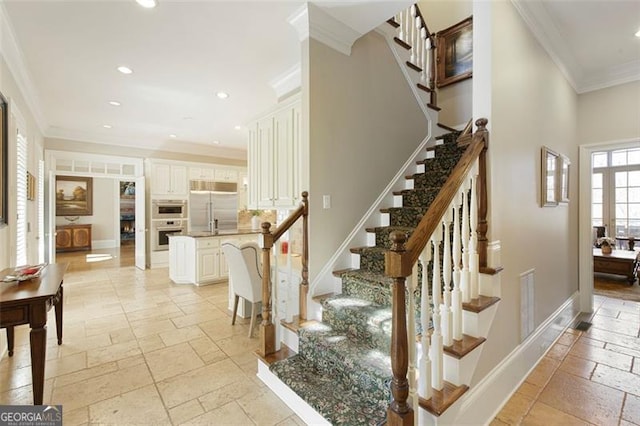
(484, 401)
(289, 397)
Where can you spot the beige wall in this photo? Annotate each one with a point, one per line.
(610, 114)
(15, 98)
(364, 123)
(532, 105)
(454, 99)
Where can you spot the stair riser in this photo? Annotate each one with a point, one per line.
(372, 261)
(419, 198)
(409, 217)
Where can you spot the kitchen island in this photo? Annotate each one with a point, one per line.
(196, 257)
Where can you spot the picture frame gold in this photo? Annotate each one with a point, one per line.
(74, 196)
(549, 177)
(454, 53)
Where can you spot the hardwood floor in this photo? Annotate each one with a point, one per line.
(139, 349)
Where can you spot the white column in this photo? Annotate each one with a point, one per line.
(473, 242)
(456, 295)
(436, 337)
(424, 386)
(464, 284)
(447, 317)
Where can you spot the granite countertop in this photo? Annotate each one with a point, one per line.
(205, 234)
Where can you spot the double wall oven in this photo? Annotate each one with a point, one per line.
(167, 217)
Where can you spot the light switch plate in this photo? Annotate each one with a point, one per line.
(326, 201)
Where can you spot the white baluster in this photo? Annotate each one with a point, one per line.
(464, 284)
(417, 47)
(447, 317)
(436, 337)
(427, 59)
(473, 242)
(407, 26)
(424, 387)
(411, 32)
(401, 22)
(412, 283)
(456, 294)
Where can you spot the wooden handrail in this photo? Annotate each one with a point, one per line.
(399, 261)
(268, 239)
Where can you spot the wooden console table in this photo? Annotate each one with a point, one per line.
(619, 262)
(28, 302)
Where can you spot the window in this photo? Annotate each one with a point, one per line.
(615, 192)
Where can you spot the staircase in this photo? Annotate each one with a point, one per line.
(379, 354)
(343, 368)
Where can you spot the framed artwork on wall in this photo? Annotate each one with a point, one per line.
(549, 177)
(563, 179)
(454, 48)
(74, 196)
(4, 149)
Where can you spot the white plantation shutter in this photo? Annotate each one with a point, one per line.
(40, 196)
(21, 201)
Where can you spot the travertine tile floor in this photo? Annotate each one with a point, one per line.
(586, 378)
(139, 349)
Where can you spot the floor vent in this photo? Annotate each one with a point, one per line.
(583, 326)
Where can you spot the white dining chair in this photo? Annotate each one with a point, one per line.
(245, 275)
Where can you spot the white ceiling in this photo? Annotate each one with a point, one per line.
(183, 52)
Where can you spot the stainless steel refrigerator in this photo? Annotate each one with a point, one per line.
(211, 202)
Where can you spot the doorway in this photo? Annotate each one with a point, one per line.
(585, 235)
(127, 213)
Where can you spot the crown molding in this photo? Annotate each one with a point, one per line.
(14, 58)
(541, 25)
(311, 21)
(288, 81)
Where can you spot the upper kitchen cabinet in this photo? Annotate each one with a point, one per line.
(274, 158)
(201, 173)
(169, 180)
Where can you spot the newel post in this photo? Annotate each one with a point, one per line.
(267, 328)
(304, 285)
(483, 225)
(398, 267)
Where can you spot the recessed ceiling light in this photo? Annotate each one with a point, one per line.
(216, 142)
(148, 4)
(237, 127)
(107, 126)
(114, 103)
(172, 136)
(222, 95)
(125, 70)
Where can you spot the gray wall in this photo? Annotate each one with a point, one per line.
(363, 125)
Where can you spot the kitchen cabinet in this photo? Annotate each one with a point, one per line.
(274, 158)
(73, 237)
(199, 259)
(169, 180)
(225, 175)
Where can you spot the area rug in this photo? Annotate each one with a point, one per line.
(615, 286)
